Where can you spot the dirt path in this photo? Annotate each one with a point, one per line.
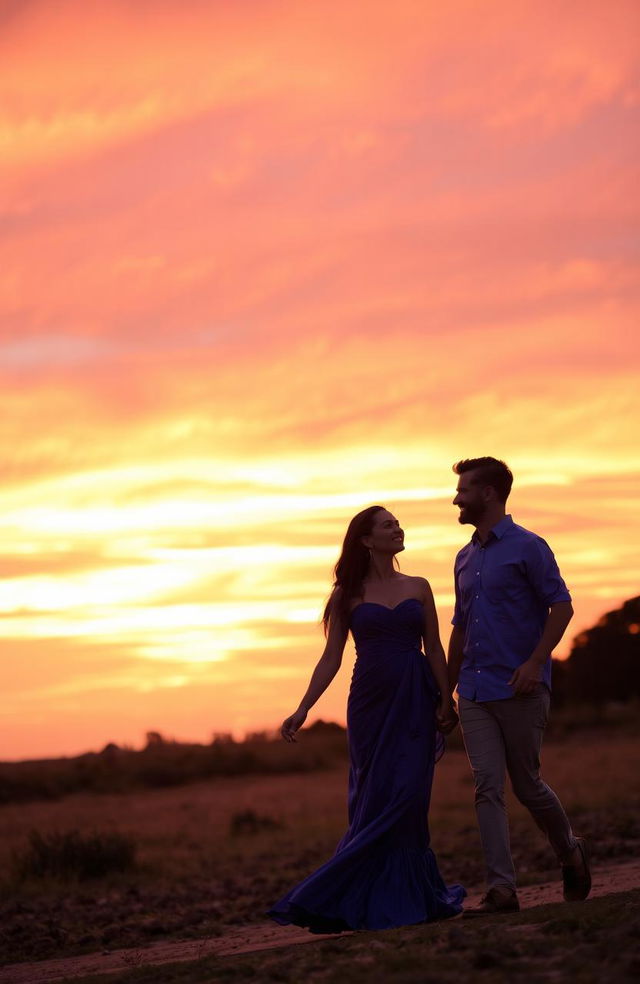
(606, 881)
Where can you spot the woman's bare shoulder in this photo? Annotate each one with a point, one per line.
(420, 584)
(414, 578)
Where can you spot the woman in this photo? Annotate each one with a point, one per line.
(383, 873)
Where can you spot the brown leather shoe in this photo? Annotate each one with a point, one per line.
(497, 900)
(576, 878)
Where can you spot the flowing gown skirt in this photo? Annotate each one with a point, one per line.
(383, 873)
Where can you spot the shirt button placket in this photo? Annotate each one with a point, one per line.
(476, 619)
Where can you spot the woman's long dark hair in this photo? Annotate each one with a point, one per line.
(351, 569)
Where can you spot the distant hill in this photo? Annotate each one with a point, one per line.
(604, 662)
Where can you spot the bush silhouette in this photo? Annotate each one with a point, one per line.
(604, 664)
(250, 822)
(72, 855)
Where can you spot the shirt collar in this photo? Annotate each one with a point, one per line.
(497, 531)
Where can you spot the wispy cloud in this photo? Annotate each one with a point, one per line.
(263, 264)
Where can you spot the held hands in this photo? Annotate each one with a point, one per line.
(526, 678)
(446, 716)
(291, 725)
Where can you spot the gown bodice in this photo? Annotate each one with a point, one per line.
(376, 627)
(388, 648)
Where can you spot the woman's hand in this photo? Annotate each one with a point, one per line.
(292, 724)
(446, 717)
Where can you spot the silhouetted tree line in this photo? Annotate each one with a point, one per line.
(164, 762)
(604, 662)
(603, 667)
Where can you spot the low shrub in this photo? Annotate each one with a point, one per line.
(73, 855)
(249, 822)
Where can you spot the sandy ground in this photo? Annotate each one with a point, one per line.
(606, 881)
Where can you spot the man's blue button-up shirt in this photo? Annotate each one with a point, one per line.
(504, 589)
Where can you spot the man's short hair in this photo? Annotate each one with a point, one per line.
(490, 471)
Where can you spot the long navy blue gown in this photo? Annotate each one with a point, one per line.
(383, 873)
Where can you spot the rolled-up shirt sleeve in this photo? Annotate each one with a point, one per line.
(543, 573)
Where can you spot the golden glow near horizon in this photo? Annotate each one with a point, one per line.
(264, 265)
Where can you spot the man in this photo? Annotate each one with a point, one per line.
(512, 608)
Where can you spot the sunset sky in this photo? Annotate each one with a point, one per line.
(263, 264)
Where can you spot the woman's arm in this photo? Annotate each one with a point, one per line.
(324, 672)
(446, 714)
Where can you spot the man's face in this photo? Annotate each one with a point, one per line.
(470, 498)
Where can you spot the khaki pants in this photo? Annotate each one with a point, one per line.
(506, 736)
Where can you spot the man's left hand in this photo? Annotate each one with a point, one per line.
(526, 678)
(446, 717)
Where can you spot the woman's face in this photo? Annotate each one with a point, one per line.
(386, 535)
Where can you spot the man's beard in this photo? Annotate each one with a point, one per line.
(471, 514)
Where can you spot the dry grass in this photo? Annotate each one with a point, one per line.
(199, 871)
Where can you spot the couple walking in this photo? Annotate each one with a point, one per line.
(512, 608)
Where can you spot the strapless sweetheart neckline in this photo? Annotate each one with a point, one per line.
(386, 607)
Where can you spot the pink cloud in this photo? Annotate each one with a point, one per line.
(250, 235)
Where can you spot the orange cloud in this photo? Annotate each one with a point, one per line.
(264, 264)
